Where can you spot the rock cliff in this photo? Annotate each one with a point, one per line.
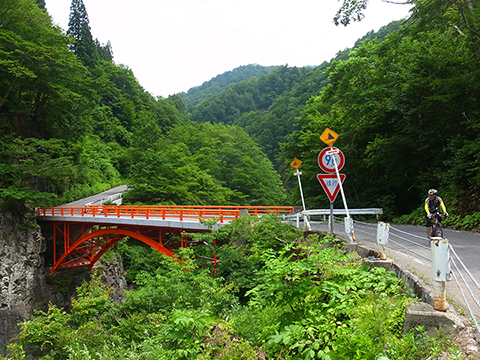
(27, 285)
(23, 286)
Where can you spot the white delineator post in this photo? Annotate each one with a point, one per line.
(440, 271)
(383, 235)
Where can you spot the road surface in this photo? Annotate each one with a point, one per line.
(93, 198)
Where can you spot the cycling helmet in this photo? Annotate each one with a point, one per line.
(432, 192)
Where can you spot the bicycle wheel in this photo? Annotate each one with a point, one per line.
(439, 230)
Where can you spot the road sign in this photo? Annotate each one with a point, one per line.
(329, 137)
(296, 163)
(330, 184)
(325, 159)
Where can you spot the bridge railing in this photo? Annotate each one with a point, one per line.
(164, 212)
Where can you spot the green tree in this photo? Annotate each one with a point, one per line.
(350, 11)
(234, 160)
(79, 29)
(215, 86)
(33, 170)
(104, 51)
(205, 164)
(398, 104)
(41, 81)
(179, 103)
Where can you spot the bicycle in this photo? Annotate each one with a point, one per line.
(437, 230)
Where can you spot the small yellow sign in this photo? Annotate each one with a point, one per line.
(296, 163)
(329, 137)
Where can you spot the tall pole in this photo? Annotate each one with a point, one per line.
(340, 182)
(331, 220)
(298, 173)
(343, 196)
(305, 220)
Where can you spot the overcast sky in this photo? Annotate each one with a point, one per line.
(173, 45)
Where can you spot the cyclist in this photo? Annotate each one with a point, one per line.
(432, 204)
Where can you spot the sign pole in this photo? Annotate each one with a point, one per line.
(341, 187)
(298, 173)
(305, 219)
(331, 220)
(296, 164)
(350, 222)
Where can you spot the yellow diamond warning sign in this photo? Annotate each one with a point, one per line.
(329, 137)
(296, 163)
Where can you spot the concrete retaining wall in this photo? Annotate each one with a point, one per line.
(418, 287)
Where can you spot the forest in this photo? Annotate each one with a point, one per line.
(404, 100)
(74, 123)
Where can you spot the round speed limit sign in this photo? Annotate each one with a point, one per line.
(326, 159)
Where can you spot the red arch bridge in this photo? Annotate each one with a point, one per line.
(81, 235)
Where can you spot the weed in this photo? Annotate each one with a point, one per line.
(62, 283)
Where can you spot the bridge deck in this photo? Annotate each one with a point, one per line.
(175, 216)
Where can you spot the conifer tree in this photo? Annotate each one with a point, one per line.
(79, 28)
(104, 51)
(41, 4)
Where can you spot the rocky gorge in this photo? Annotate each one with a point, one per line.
(26, 284)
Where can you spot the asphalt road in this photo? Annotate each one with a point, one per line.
(409, 246)
(93, 198)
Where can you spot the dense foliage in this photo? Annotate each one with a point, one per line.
(73, 123)
(220, 82)
(403, 102)
(202, 164)
(301, 302)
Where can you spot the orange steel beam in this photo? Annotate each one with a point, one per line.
(92, 243)
(89, 247)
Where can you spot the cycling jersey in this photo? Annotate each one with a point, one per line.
(433, 205)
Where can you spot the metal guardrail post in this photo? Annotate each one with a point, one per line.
(331, 220)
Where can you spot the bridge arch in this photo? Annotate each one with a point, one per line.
(91, 248)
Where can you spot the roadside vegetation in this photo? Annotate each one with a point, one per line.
(276, 295)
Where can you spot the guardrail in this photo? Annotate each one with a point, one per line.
(366, 211)
(116, 198)
(306, 214)
(164, 212)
